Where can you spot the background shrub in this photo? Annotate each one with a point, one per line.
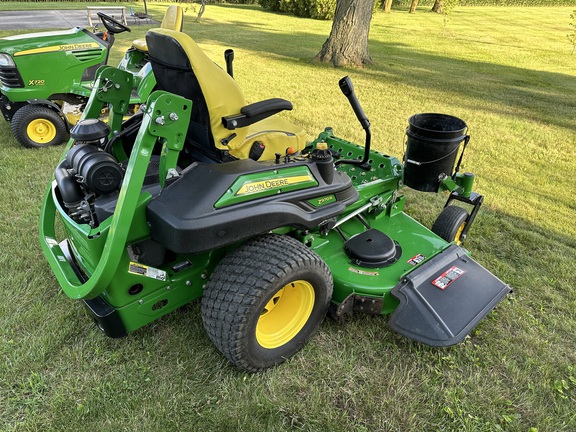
(317, 9)
(406, 3)
(324, 9)
(271, 5)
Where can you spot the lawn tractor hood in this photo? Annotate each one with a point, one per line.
(46, 42)
(27, 61)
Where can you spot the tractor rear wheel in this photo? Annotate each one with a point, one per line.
(450, 223)
(265, 300)
(36, 126)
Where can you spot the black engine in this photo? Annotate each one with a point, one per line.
(88, 171)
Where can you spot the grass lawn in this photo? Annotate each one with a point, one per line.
(509, 73)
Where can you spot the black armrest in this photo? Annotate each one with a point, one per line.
(255, 112)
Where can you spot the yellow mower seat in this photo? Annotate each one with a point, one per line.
(173, 20)
(221, 121)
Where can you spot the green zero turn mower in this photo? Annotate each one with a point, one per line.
(204, 196)
(46, 78)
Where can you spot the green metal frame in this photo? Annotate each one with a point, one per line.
(101, 253)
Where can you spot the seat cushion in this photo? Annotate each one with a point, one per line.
(173, 53)
(173, 18)
(276, 134)
(140, 45)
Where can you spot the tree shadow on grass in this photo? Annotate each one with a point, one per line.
(540, 96)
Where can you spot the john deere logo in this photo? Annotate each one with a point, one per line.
(68, 47)
(264, 185)
(256, 185)
(72, 47)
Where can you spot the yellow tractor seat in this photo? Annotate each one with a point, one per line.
(173, 20)
(222, 124)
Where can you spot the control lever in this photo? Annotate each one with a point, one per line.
(229, 58)
(348, 91)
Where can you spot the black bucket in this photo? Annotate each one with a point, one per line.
(431, 149)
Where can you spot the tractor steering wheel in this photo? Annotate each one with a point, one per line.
(112, 25)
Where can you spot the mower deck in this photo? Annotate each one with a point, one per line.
(417, 244)
(435, 291)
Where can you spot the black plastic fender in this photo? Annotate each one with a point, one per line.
(53, 106)
(445, 298)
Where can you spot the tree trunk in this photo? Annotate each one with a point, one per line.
(438, 5)
(201, 11)
(348, 40)
(387, 6)
(413, 6)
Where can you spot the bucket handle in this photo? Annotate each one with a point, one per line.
(466, 141)
(432, 161)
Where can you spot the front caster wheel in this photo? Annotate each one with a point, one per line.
(265, 300)
(450, 224)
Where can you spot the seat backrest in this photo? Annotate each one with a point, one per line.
(181, 67)
(173, 18)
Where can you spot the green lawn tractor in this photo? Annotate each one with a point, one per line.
(46, 78)
(204, 196)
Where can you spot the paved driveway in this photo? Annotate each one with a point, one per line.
(45, 19)
(48, 19)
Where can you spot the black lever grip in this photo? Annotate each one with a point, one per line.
(348, 91)
(229, 59)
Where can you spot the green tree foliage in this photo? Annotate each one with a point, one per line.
(324, 9)
(317, 9)
(407, 3)
(446, 10)
(572, 35)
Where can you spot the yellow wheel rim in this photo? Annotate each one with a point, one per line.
(457, 238)
(41, 131)
(285, 314)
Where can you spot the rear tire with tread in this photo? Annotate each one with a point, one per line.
(265, 300)
(36, 126)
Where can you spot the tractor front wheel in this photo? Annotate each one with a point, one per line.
(265, 300)
(450, 224)
(36, 126)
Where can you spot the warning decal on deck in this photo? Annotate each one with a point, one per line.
(415, 260)
(151, 272)
(447, 277)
